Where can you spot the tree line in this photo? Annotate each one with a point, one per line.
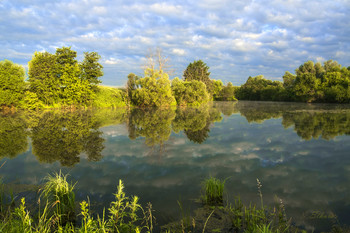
(312, 82)
(59, 80)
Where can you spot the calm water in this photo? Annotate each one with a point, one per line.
(300, 153)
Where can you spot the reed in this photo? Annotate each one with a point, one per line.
(213, 191)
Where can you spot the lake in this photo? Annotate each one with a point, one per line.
(300, 153)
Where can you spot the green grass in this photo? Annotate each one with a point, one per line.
(58, 214)
(59, 194)
(213, 191)
(125, 214)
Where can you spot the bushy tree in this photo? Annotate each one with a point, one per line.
(191, 93)
(43, 78)
(91, 69)
(317, 83)
(131, 85)
(217, 88)
(259, 88)
(59, 78)
(153, 90)
(73, 89)
(11, 83)
(199, 71)
(227, 93)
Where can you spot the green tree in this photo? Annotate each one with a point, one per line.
(131, 85)
(306, 87)
(73, 89)
(154, 90)
(227, 93)
(217, 88)
(43, 78)
(66, 55)
(90, 67)
(288, 80)
(259, 88)
(191, 93)
(11, 83)
(199, 71)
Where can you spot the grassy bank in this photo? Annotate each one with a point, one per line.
(57, 211)
(109, 97)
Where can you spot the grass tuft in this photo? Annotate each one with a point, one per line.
(213, 191)
(60, 196)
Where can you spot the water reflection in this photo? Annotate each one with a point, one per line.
(13, 135)
(64, 136)
(296, 150)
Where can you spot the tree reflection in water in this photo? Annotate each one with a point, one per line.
(63, 136)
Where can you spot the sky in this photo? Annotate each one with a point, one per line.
(236, 39)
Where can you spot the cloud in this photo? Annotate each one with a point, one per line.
(234, 38)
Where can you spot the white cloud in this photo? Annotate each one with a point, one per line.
(179, 52)
(236, 36)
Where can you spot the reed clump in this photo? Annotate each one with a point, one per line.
(213, 191)
(59, 194)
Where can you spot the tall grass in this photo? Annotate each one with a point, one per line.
(125, 214)
(59, 195)
(58, 214)
(213, 191)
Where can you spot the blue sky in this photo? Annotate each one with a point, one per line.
(236, 39)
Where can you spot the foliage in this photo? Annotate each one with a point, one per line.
(311, 83)
(217, 88)
(59, 78)
(90, 68)
(73, 89)
(227, 93)
(153, 90)
(131, 85)
(109, 97)
(192, 93)
(42, 77)
(31, 101)
(258, 88)
(199, 71)
(11, 83)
